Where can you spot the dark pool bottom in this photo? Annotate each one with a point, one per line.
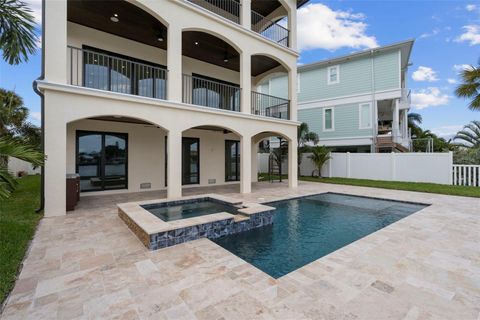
(309, 228)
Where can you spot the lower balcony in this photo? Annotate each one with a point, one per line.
(98, 69)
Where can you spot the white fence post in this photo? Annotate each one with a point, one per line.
(348, 164)
(451, 166)
(330, 165)
(394, 167)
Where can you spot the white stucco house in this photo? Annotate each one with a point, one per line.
(148, 95)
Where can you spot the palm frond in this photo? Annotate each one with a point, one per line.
(17, 31)
(13, 148)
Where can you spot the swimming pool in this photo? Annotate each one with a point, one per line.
(308, 228)
(177, 210)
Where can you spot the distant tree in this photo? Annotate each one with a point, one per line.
(320, 155)
(470, 135)
(17, 31)
(14, 120)
(414, 122)
(470, 87)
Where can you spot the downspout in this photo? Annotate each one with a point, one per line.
(42, 112)
(374, 106)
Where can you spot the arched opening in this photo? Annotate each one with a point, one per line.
(211, 71)
(270, 99)
(116, 46)
(271, 162)
(270, 19)
(112, 152)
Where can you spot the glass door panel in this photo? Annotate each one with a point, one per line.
(232, 160)
(115, 176)
(190, 161)
(89, 159)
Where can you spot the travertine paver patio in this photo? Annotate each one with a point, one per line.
(89, 265)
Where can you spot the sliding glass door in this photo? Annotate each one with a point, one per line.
(232, 160)
(190, 161)
(101, 160)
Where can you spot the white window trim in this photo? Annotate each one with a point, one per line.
(333, 120)
(360, 115)
(298, 83)
(338, 74)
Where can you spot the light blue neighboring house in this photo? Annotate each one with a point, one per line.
(358, 102)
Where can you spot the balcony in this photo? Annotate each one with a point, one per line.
(111, 72)
(261, 24)
(103, 71)
(270, 106)
(201, 91)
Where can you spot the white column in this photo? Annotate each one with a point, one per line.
(55, 42)
(56, 163)
(395, 121)
(174, 164)
(174, 63)
(292, 93)
(245, 82)
(292, 164)
(245, 17)
(245, 164)
(292, 25)
(254, 163)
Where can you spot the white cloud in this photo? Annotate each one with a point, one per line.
(429, 34)
(36, 7)
(424, 74)
(430, 97)
(470, 7)
(461, 67)
(447, 131)
(471, 34)
(451, 81)
(320, 27)
(36, 117)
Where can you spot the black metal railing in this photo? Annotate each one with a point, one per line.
(208, 93)
(270, 106)
(270, 29)
(229, 9)
(97, 70)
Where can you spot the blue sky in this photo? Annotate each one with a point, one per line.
(447, 36)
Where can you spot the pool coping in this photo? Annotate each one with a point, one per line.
(152, 230)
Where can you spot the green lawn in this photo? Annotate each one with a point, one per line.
(18, 221)
(409, 186)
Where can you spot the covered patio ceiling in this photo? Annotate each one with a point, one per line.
(126, 20)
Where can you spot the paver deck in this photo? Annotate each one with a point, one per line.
(89, 265)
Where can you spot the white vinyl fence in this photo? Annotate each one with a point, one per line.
(466, 175)
(262, 164)
(16, 165)
(409, 167)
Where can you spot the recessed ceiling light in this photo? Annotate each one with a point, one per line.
(160, 39)
(196, 43)
(114, 18)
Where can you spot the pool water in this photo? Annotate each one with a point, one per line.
(188, 210)
(309, 228)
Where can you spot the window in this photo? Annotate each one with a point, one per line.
(232, 160)
(333, 75)
(365, 111)
(328, 119)
(190, 161)
(101, 160)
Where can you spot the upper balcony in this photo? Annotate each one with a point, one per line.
(269, 18)
(128, 51)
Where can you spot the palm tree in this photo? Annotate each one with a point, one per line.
(320, 155)
(470, 135)
(414, 122)
(10, 147)
(17, 31)
(304, 135)
(470, 88)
